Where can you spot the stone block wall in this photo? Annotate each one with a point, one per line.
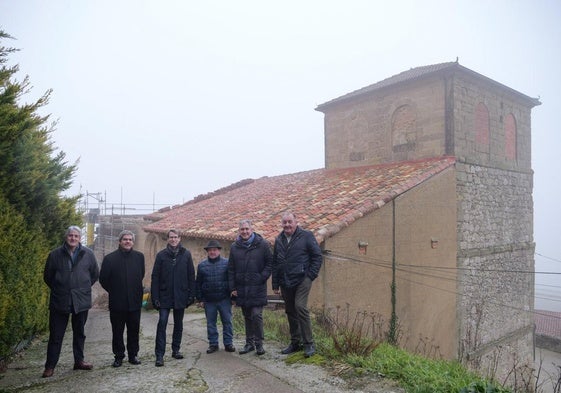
(500, 104)
(496, 258)
(495, 227)
(393, 125)
(487, 127)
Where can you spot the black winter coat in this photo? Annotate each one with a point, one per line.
(70, 284)
(212, 280)
(249, 268)
(173, 279)
(294, 261)
(121, 276)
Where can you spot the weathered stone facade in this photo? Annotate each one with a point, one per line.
(405, 123)
(495, 227)
(459, 243)
(448, 109)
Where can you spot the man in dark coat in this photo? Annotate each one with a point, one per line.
(297, 259)
(249, 267)
(70, 272)
(213, 295)
(173, 287)
(121, 275)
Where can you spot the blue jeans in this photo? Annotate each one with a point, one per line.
(161, 331)
(212, 309)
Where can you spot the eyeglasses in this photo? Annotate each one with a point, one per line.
(173, 237)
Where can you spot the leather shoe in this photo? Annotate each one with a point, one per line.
(177, 355)
(118, 362)
(247, 348)
(134, 360)
(48, 373)
(260, 351)
(229, 348)
(309, 350)
(159, 362)
(81, 365)
(291, 349)
(212, 349)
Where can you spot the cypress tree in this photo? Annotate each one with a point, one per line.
(33, 211)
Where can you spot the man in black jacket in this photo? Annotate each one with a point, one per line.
(249, 268)
(121, 275)
(173, 287)
(297, 259)
(70, 272)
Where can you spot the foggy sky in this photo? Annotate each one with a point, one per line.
(161, 101)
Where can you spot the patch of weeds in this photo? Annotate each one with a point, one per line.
(349, 335)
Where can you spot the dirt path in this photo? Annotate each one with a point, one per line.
(198, 372)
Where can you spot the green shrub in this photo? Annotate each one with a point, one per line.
(23, 294)
(33, 211)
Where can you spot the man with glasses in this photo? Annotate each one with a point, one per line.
(121, 275)
(173, 288)
(70, 272)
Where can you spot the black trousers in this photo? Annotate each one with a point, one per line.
(120, 320)
(296, 308)
(58, 321)
(253, 318)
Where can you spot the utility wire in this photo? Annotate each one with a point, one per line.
(550, 258)
(387, 265)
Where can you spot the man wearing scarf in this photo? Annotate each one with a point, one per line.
(173, 288)
(249, 268)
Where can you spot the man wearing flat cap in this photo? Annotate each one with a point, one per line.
(212, 292)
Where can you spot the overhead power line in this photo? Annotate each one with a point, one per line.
(440, 273)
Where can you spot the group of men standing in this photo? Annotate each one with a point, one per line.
(294, 262)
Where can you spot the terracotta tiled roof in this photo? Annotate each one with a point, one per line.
(418, 73)
(325, 201)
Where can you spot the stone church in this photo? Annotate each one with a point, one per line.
(427, 189)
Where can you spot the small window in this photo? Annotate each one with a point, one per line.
(510, 137)
(404, 129)
(482, 127)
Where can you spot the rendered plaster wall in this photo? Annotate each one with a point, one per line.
(425, 255)
(156, 242)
